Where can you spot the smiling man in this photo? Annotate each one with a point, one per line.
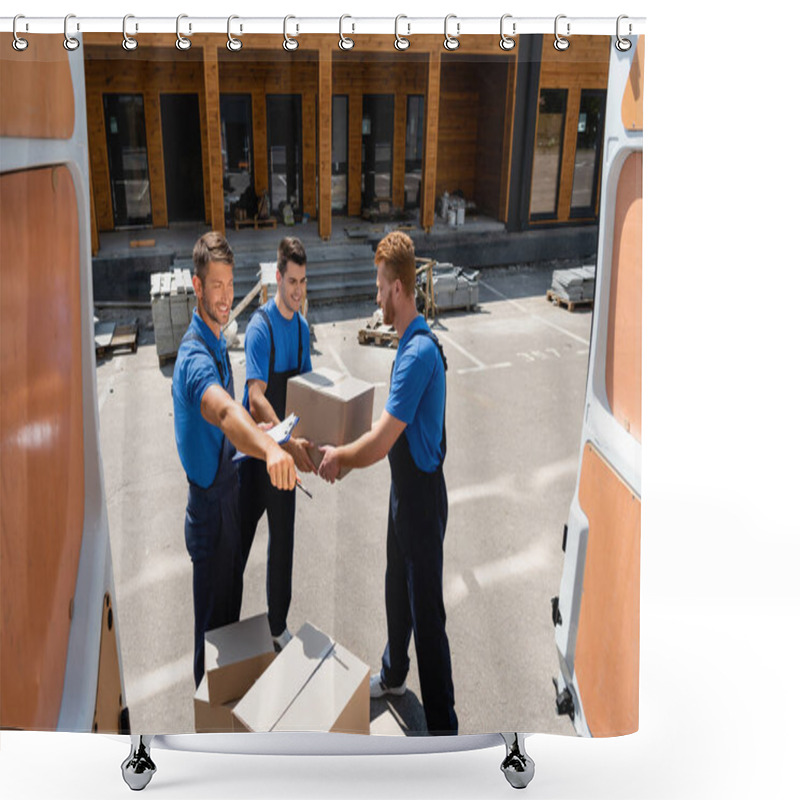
(209, 426)
(277, 346)
(411, 431)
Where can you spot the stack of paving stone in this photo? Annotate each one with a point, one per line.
(574, 284)
(171, 300)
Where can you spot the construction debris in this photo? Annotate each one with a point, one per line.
(572, 287)
(375, 332)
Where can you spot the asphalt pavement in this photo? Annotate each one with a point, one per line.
(515, 393)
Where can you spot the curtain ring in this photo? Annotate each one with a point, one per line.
(18, 44)
(451, 42)
(182, 43)
(70, 42)
(506, 42)
(128, 42)
(559, 43)
(289, 44)
(400, 43)
(345, 42)
(621, 44)
(234, 45)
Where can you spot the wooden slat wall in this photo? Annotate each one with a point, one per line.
(325, 144)
(213, 126)
(356, 112)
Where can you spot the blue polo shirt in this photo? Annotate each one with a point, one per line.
(257, 344)
(199, 442)
(417, 395)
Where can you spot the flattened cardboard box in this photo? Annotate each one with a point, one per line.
(236, 655)
(209, 718)
(333, 408)
(315, 685)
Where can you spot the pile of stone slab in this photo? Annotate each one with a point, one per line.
(172, 301)
(455, 287)
(573, 284)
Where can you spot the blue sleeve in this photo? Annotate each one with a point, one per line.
(257, 344)
(304, 330)
(412, 373)
(201, 372)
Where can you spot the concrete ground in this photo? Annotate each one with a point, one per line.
(516, 382)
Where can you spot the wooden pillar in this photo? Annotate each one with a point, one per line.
(325, 94)
(213, 126)
(309, 123)
(356, 109)
(568, 147)
(155, 153)
(427, 210)
(399, 151)
(260, 162)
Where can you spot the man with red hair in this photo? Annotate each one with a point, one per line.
(411, 431)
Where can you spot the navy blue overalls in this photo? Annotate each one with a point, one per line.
(414, 564)
(257, 493)
(212, 535)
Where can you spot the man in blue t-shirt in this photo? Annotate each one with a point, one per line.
(209, 426)
(411, 431)
(277, 346)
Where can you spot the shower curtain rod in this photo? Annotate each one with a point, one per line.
(296, 26)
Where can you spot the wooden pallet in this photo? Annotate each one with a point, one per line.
(255, 222)
(381, 335)
(125, 337)
(570, 305)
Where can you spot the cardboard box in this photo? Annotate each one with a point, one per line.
(236, 655)
(315, 685)
(333, 408)
(209, 718)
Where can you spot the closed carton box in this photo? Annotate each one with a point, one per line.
(209, 718)
(236, 655)
(333, 408)
(315, 685)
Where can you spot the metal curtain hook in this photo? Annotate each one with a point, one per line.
(345, 42)
(18, 44)
(70, 42)
(128, 42)
(622, 44)
(182, 43)
(559, 43)
(506, 42)
(289, 43)
(400, 42)
(234, 45)
(451, 42)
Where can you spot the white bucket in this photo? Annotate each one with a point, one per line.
(460, 215)
(451, 217)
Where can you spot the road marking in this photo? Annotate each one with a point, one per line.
(529, 313)
(159, 680)
(338, 359)
(164, 568)
(534, 559)
(479, 365)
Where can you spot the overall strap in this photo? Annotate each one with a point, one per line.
(432, 337)
(195, 337)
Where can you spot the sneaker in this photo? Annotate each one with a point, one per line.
(281, 641)
(377, 688)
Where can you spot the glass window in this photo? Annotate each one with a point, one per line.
(339, 149)
(377, 133)
(285, 150)
(547, 152)
(127, 159)
(587, 153)
(415, 132)
(238, 182)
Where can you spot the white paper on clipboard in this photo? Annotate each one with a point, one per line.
(280, 433)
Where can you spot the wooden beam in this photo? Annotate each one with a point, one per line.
(260, 158)
(428, 204)
(508, 135)
(213, 126)
(399, 151)
(356, 112)
(155, 151)
(325, 94)
(309, 156)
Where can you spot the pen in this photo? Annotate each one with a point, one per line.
(302, 488)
